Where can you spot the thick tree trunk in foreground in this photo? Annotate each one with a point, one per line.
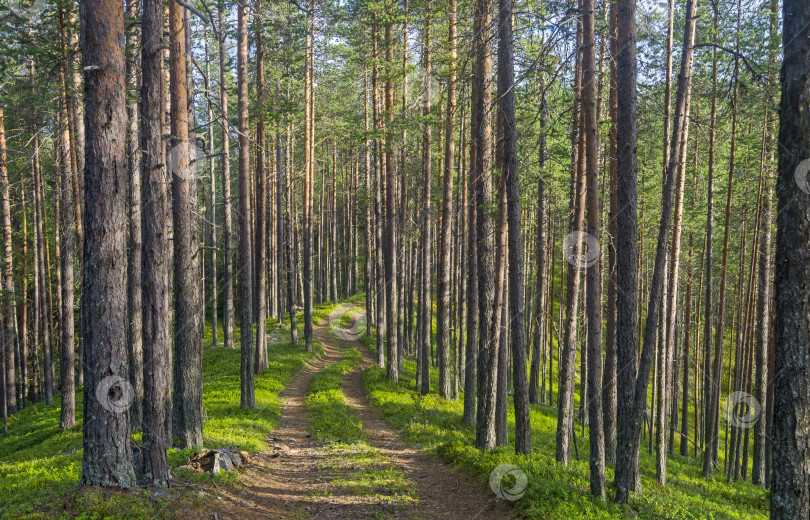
(187, 397)
(517, 303)
(156, 249)
(106, 457)
(307, 187)
(626, 248)
(790, 496)
(482, 135)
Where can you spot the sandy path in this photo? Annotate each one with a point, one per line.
(289, 481)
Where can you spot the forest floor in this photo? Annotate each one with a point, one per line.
(303, 475)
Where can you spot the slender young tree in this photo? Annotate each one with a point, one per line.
(228, 313)
(426, 262)
(390, 242)
(106, 455)
(67, 417)
(594, 269)
(247, 389)
(260, 215)
(443, 304)
(9, 338)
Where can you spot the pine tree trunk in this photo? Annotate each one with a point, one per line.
(106, 457)
(444, 304)
(593, 269)
(67, 417)
(790, 495)
(228, 318)
(574, 250)
(247, 388)
(307, 186)
(517, 304)
(157, 339)
(390, 242)
(9, 339)
(187, 360)
(482, 135)
(628, 427)
(134, 279)
(425, 306)
(260, 214)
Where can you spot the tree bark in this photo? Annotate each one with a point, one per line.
(260, 214)
(517, 304)
(626, 247)
(106, 457)
(790, 495)
(247, 388)
(443, 307)
(594, 270)
(228, 317)
(67, 417)
(156, 249)
(482, 135)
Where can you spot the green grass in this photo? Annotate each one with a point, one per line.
(331, 418)
(40, 465)
(358, 469)
(555, 491)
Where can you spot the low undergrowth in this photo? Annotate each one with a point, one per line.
(40, 465)
(555, 491)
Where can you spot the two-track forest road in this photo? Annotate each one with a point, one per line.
(300, 478)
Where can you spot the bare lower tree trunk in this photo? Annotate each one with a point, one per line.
(106, 457)
(471, 353)
(425, 307)
(154, 199)
(247, 388)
